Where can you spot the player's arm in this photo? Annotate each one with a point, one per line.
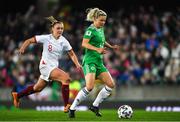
(112, 46)
(26, 43)
(74, 58)
(86, 44)
(108, 45)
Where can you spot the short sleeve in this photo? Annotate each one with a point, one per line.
(88, 34)
(40, 38)
(67, 45)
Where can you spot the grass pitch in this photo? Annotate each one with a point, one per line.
(108, 115)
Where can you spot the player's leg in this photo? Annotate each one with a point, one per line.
(27, 91)
(106, 91)
(61, 76)
(83, 93)
(104, 76)
(89, 72)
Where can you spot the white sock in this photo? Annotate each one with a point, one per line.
(104, 93)
(79, 98)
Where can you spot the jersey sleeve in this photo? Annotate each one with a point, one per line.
(88, 34)
(40, 38)
(67, 46)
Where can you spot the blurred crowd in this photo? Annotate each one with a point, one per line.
(149, 41)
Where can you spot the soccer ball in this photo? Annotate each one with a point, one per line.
(125, 111)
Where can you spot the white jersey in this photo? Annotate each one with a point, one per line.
(52, 49)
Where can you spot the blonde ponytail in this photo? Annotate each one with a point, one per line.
(94, 13)
(52, 20)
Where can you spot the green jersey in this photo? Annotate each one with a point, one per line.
(96, 38)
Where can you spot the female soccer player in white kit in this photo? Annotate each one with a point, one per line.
(54, 45)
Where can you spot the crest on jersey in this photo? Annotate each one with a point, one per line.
(88, 33)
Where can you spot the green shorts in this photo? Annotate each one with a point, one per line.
(94, 68)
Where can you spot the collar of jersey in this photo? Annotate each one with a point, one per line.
(97, 29)
(58, 40)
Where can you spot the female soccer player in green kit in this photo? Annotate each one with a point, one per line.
(93, 67)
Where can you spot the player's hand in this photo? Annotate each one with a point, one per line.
(78, 66)
(116, 47)
(102, 50)
(21, 51)
(79, 70)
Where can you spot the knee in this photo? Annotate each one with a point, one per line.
(111, 85)
(89, 88)
(66, 79)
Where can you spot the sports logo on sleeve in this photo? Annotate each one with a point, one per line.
(88, 33)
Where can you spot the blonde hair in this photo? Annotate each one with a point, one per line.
(94, 13)
(53, 20)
